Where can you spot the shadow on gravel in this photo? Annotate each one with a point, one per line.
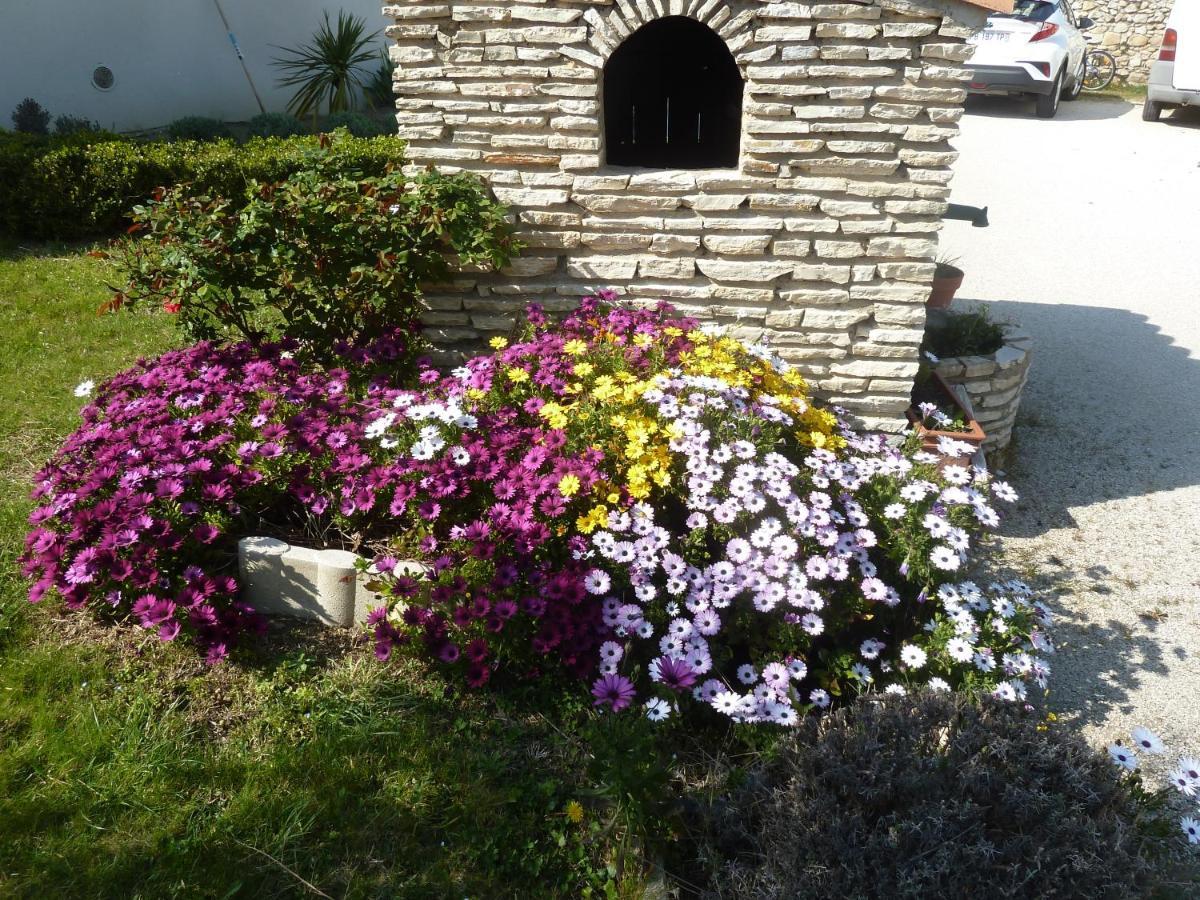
(1081, 110)
(1111, 410)
(1101, 666)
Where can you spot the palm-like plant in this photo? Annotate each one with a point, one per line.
(329, 71)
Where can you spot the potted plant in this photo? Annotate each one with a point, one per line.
(947, 279)
(937, 414)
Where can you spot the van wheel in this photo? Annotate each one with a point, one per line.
(1047, 104)
(1151, 110)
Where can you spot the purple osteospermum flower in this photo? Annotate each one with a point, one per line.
(613, 691)
(675, 673)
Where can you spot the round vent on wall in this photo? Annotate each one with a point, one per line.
(102, 78)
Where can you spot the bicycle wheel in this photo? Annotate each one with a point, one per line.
(1099, 70)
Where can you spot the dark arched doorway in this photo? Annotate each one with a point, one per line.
(672, 98)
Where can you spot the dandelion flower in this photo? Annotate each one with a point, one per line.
(574, 811)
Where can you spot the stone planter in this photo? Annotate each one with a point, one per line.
(994, 383)
(322, 585)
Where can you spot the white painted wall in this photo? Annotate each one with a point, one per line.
(171, 58)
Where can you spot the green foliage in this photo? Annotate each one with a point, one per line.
(931, 796)
(68, 125)
(30, 117)
(275, 125)
(379, 91)
(330, 71)
(331, 252)
(963, 333)
(84, 185)
(358, 124)
(197, 128)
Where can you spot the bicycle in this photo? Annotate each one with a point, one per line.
(1099, 69)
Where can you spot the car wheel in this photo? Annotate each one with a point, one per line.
(1047, 104)
(1077, 81)
(1151, 110)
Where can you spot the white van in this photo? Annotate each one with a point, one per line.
(1175, 75)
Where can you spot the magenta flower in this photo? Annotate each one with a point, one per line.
(613, 691)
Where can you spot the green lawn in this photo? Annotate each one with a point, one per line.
(303, 767)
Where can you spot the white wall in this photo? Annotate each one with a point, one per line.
(171, 58)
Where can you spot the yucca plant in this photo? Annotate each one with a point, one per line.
(331, 71)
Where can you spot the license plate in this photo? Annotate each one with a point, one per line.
(994, 36)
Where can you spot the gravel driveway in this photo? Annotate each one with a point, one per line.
(1094, 247)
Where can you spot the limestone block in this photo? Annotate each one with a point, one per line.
(846, 30)
(822, 272)
(530, 197)
(715, 201)
(901, 247)
(617, 241)
(602, 267)
(836, 319)
(837, 249)
(737, 245)
(817, 224)
(617, 202)
(531, 265)
(728, 270)
(874, 368)
(673, 243)
(791, 247)
(815, 296)
(670, 267)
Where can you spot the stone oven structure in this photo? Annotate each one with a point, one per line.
(779, 168)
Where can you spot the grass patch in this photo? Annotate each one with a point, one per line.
(304, 767)
(1134, 93)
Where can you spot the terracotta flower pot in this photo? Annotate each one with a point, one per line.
(945, 396)
(947, 279)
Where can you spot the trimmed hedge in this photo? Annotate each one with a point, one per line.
(932, 795)
(85, 185)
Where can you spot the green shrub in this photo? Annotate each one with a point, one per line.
(86, 184)
(358, 124)
(963, 333)
(335, 251)
(275, 125)
(929, 796)
(68, 125)
(30, 117)
(197, 128)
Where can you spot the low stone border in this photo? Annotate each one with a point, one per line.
(994, 383)
(322, 585)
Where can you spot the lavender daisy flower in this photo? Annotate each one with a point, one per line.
(613, 691)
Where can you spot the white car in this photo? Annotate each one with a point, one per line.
(1036, 49)
(1175, 75)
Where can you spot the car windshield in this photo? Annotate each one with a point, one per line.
(1037, 10)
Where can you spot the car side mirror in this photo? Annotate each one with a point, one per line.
(1085, 23)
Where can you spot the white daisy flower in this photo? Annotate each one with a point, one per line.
(85, 388)
(1123, 756)
(912, 656)
(657, 709)
(1191, 828)
(1147, 741)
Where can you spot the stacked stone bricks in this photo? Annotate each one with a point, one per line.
(1131, 30)
(820, 241)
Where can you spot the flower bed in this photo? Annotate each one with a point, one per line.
(660, 510)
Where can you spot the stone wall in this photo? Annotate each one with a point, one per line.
(821, 240)
(994, 383)
(1131, 30)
